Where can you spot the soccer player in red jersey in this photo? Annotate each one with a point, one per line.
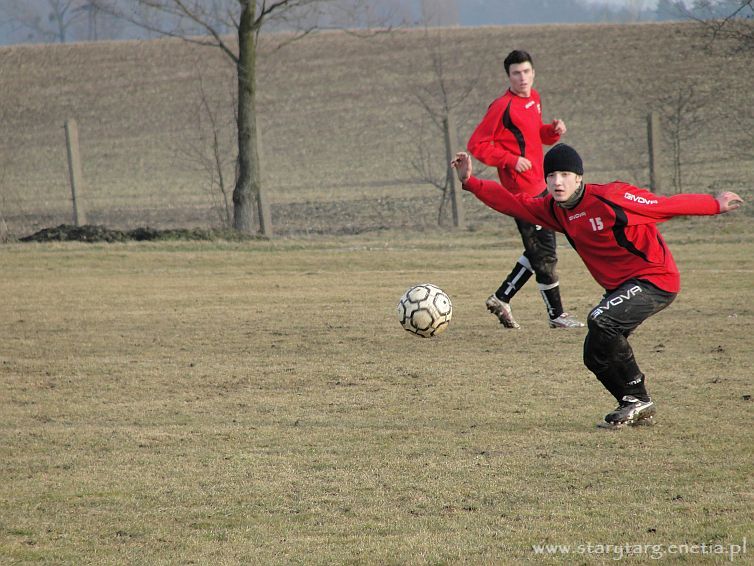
(613, 229)
(510, 138)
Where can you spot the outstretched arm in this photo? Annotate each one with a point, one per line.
(495, 195)
(645, 207)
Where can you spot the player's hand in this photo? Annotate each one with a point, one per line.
(462, 165)
(728, 201)
(522, 165)
(559, 127)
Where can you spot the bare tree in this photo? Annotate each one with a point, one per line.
(211, 151)
(682, 112)
(726, 19)
(206, 22)
(99, 24)
(730, 23)
(46, 20)
(429, 164)
(439, 98)
(439, 12)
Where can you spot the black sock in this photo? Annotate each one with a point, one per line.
(615, 389)
(552, 300)
(516, 279)
(637, 388)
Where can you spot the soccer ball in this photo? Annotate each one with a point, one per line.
(425, 310)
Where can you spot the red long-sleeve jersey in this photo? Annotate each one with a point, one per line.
(512, 128)
(613, 227)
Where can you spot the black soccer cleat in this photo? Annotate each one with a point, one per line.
(630, 412)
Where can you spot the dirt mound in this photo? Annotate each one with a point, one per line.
(89, 233)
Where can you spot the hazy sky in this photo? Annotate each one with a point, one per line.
(30, 20)
(644, 4)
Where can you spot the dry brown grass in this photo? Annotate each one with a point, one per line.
(259, 403)
(338, 121)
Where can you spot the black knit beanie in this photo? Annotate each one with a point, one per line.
(563, 157)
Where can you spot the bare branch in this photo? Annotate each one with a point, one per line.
(734, 24)
(52, 21)
(194, 16)
(682, 112)
(209, 149)
(179, 11)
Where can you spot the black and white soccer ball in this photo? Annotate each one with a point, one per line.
(425, 310)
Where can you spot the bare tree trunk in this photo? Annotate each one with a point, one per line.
(677, 166)
(59, 23)
(247, 187)
(675, 133)
(677, 121)
(451, 138)
(91, 21)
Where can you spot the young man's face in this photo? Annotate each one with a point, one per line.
(562, 184)
(521, 77)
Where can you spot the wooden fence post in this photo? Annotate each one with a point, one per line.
(451, 138)
(74, 169)
(3, 230)
(653, 144)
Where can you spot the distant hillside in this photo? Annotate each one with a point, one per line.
(340, 125)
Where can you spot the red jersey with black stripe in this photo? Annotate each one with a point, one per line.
(512, 128)
(612, 228)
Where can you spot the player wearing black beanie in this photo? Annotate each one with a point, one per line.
(613, 229)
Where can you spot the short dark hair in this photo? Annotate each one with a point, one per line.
(516, 57)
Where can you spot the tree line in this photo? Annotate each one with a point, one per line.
(50, 21)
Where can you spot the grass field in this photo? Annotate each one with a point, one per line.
(222, 403)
